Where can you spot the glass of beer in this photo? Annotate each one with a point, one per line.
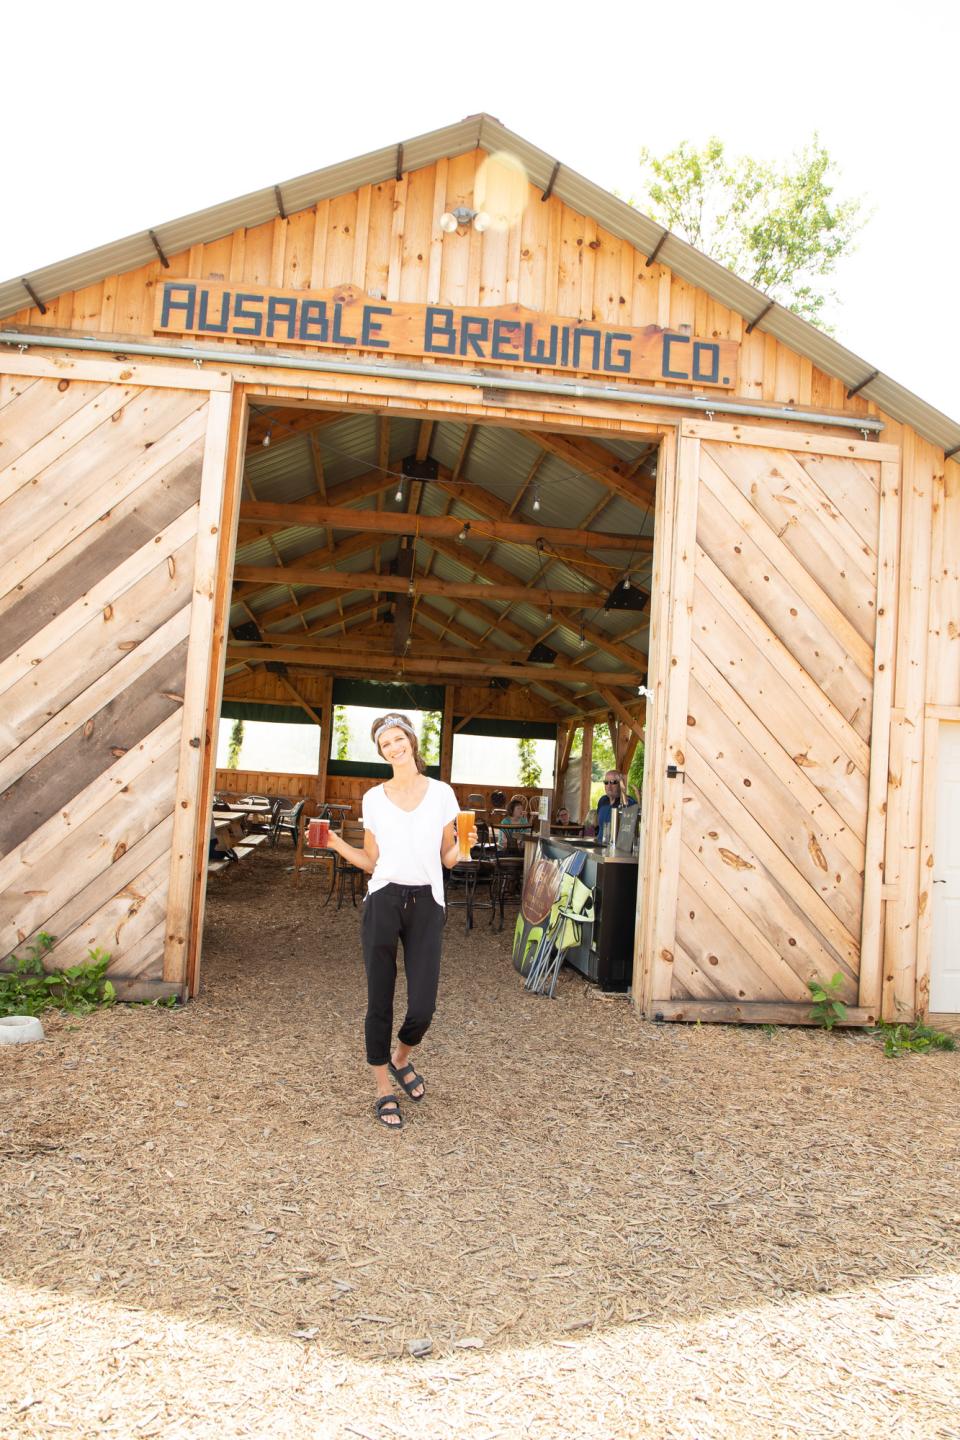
(318, 834)
(465, 823)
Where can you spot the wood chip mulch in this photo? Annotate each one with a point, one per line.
(594, 1226)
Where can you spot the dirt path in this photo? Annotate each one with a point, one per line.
(602, 1227)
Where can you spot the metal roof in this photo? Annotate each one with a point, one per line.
(486, 133)
(497, 462)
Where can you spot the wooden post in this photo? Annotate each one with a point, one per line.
(190, 819)
(326, 733)
(586, 769)
(446, 735)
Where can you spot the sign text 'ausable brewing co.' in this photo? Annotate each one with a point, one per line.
(346, 318)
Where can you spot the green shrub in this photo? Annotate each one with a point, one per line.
(826, 1010)
(29, 988)
(916, 1038)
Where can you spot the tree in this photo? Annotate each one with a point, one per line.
(780, 228)
(635, 776)
(234, 745)
(341, 732)
(530, 771)
(430, 737)
(602, 756)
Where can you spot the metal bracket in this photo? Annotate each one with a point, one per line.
(673, 773)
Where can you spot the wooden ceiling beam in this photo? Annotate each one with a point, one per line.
(600, 464)
(325, 555)
(508, 586)
(343, 517)
(345, 580)
(480, 669)
(285, 425)
(484, 613)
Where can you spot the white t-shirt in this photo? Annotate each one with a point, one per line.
(409, 840)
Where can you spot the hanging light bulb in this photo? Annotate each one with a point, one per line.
(536, 497)
(549, 615)
(265, 442)
(410, 590)
(463, 531)
(399, 494)
(626, 582)
(581, 632)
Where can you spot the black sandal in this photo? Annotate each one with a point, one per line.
(382, 1104)
(409, 1079)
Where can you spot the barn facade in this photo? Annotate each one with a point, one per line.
(406, 420)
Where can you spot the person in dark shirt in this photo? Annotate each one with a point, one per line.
(614, 797)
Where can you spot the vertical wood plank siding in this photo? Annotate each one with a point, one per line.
(99, 501)
(384, 238)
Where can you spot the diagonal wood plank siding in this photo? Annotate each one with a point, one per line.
(780, 647)
(100, 488)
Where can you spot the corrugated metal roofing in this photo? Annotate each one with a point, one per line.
(484, 132)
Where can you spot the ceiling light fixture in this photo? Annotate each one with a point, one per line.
(549, 615)
(581, 632)
(399, 495)
(459, 218)
(536, 497)
(626, 582)
(464, 531)
(265, 442)
(410, 590)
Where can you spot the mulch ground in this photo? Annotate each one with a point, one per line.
(592, 1227)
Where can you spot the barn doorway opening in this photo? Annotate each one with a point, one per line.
(495, 578)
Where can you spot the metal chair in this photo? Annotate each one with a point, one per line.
(344, 871)
(287, 822)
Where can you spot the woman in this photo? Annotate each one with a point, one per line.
(516, 818)
(410, 831)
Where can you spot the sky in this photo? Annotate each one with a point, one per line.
(120, 117)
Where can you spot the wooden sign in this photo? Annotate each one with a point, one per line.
(347, 319)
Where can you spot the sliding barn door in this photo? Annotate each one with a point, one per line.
(771, 831)
(110, 493)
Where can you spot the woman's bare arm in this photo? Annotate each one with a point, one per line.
(450, 845)
(364, 859)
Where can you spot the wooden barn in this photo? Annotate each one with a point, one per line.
(449, 418)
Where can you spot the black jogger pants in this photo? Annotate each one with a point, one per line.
(391, 914)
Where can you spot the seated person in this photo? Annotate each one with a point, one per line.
(562, 816)
(614, 795)
(515, 819)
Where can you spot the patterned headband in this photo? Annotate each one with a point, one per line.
(389, 722)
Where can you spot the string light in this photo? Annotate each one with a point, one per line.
(399, 495)
(265, 442)
(581, 632)
(463, 531)
(549, 615)
(536, 497)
